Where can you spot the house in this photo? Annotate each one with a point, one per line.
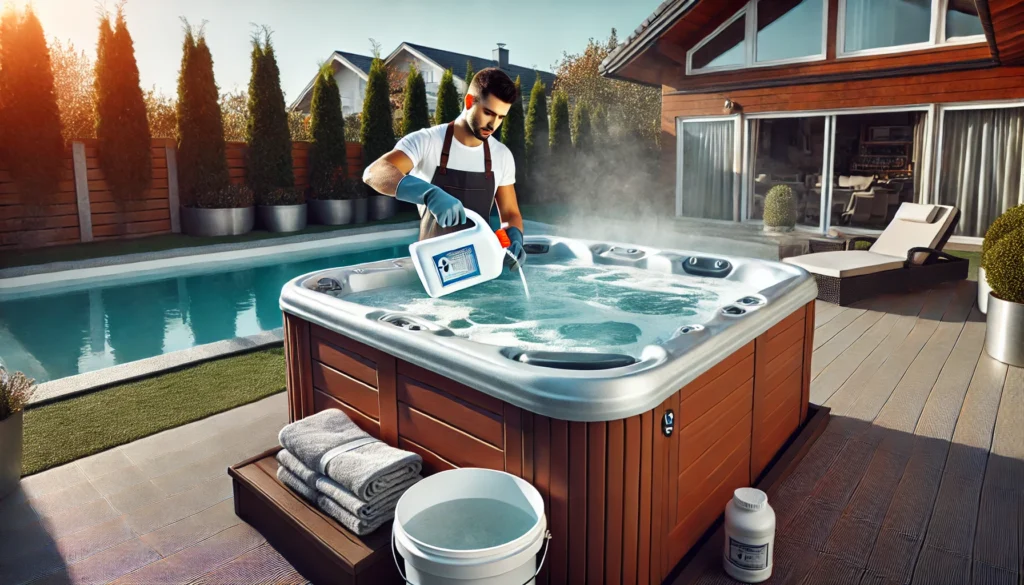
(856, 110)
(352, 70)
(350, 73)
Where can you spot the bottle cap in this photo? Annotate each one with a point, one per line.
(503, 238)
(750, 499)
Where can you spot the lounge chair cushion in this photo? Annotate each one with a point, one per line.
(902, 233)
(845, 263)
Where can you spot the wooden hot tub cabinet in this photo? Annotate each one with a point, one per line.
(624, 502)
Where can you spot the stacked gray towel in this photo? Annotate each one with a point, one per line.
(354, 478)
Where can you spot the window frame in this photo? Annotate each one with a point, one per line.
(749, 12)
(936, 37)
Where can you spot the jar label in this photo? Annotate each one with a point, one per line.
(752, 557)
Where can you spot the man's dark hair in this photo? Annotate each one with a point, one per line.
(493, 81)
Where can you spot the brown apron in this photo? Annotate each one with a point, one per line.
(475, 190)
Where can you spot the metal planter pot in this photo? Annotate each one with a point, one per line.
(217, 222)
(361, 210)
(331, 211)
(10, 453)
(382, 206)
(983, 290)
(282, 218)
(1004, 336)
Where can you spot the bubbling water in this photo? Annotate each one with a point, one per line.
(575, 307)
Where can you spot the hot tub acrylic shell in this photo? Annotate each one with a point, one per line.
(574, 395)
(627, 491)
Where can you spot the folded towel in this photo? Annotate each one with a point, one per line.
(329, 507)
(384, 503)
(368, 470)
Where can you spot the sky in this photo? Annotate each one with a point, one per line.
(536, 32)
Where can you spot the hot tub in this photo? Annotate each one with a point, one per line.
(636, 388)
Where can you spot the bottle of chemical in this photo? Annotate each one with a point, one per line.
(749, 536)
(459, 260)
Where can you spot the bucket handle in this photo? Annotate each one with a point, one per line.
(394, 555)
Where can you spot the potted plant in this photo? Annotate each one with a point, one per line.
(15, 392)
(1006, 223)
(1004, 266)
(282, 210)
(779, 209)
(342, 203)
(222, 212)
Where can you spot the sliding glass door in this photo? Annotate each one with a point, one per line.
(707, 179)
(787, 152)
(981, 156)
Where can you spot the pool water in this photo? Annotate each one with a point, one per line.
(572, 307)
(63, 334)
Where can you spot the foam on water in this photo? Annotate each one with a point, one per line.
(469, 524)
(574, 307)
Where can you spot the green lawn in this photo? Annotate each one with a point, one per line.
(64, 431)
(163, 242)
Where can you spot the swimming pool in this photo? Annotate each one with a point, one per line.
(62, 331)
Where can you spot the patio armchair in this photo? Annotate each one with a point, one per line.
(907, 254)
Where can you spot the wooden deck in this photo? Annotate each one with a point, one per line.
(919, 476)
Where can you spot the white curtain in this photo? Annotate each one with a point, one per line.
(707, 160)
(981, 154)
(920, 137)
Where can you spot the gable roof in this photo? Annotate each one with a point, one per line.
(666, 14)
(358, 64)
(457, 63)
(361, 62)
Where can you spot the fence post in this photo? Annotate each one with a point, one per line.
(172, 188)
(81, 171)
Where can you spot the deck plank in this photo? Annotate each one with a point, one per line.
(829, 330)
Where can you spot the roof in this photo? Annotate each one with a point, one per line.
(457, 63)
(361, 62)
(667, 13)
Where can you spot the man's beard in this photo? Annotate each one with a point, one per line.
(477, 131)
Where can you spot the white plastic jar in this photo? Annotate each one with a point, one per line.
(749, 536)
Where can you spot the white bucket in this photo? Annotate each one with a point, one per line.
(499, 548)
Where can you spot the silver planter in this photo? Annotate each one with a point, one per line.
(282, 218)
(983, 290)
(10, 453)
(1004, 336)
(331, 211)
(233, 221)
(382, 206)
(361, 210)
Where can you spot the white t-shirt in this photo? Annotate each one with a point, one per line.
(424, 148)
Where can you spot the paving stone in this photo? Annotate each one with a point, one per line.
(160, 514)
(260, 565)
(119, 480)
(52, 480)
(104, 463)
(112, 563)
(188, 531)
(136, 496)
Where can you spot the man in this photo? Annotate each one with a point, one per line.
(454, 166)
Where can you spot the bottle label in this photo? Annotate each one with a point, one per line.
(752, 557)
(455, 265)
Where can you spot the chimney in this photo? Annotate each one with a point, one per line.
(501, 56)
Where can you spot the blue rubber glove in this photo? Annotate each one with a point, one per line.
(446, 209)
(516, 248)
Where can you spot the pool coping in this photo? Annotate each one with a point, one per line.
(70, 386)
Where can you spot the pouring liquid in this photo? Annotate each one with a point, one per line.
(522, 275)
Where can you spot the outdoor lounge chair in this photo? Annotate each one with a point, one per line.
(908, 254)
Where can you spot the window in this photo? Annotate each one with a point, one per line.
(707, 185)
(765, 32)
(884, 26)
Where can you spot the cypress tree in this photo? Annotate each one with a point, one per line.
(513, 134)
(122, 128)
(202, 163)
(269, 160)
(448, 107)
(377, 132)
(561, 137)
(599, 124)
(414, 111)
(469, 78)
(583, 133)
(327, 158)
(32, 143)
(537, 125)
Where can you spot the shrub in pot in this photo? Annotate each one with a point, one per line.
(227, 211)
(779, 209)
(1004, 267)
(1005, 224)
(15, 392)
(282, 210)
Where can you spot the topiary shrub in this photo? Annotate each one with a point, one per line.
(448, 106)
(228, 197)
(414, 110)
(269, 158)
(780, 207)
(282, 196)
(1005, 267)
(1011, 220)
(327, 150)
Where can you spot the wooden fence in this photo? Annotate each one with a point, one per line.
(84, 210)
